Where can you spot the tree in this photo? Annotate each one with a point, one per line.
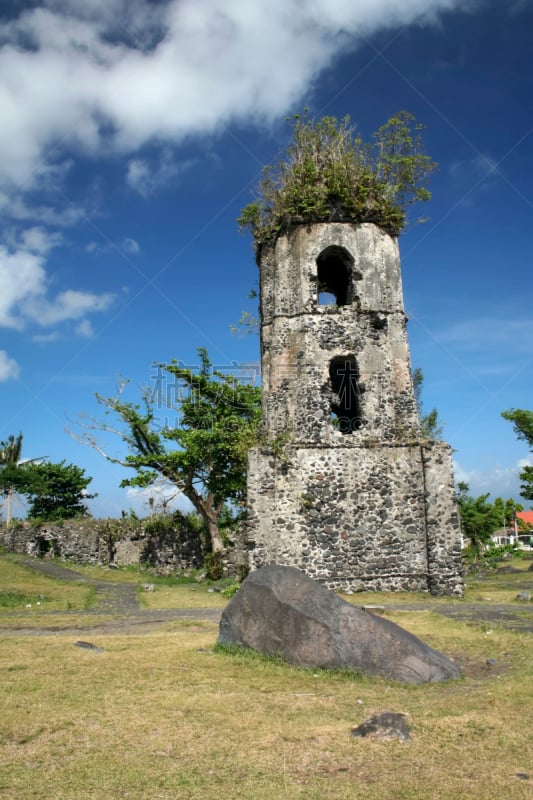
(523, 427)
(10, 453)
(479, 518)
(204, 454)
(328, 174)
(430, 424)
(505, 511)
(55, 491)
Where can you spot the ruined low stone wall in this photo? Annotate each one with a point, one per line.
(124, 542)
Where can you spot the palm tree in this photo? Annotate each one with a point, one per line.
(10, 458)
(10, 463)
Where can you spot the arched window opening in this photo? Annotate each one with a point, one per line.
(335, 277)
(346, 389)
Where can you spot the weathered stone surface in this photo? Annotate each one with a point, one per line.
(122, 542)
(280, 611)
(389, 725)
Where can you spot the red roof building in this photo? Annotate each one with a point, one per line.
(526, 516)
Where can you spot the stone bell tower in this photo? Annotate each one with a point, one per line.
(345, 488)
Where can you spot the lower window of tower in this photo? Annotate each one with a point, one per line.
(346, 402)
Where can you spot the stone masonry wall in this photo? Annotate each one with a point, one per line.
(96, 541)
(355, 520)
(124, 542)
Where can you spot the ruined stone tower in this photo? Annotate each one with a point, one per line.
(345, 488)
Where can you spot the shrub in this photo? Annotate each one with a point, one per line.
(214, 566)
(328, 174)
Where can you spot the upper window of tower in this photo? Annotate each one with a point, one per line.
(335, 277)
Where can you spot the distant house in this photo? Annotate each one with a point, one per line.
(525, 538)
(503, 536)
(527, 517)
(515, 535)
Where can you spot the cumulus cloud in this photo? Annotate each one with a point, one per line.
(85, 329)
(130, 246)
(9, 369)
(127, 246)
(14, 207)
(116, 75)
(159, 497)
(147, 177)
(24, 295)
(499, 481)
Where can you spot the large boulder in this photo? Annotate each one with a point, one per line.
(280, 611)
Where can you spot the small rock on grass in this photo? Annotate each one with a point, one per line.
(389, 725)
(89, 646)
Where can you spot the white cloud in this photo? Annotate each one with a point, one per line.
(147, 177)
(22, 277)
(130, 246)
(127, 246)
(40, 241)
(13, 206)
(85, 329)
(499, 481)
(477, 167)
(116, 75)
(68, 305)
(9, 369)
(159, 497)
(474, 175)
(45, 338)
(24, 285)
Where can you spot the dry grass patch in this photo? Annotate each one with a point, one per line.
(186, 596)
(162, 716)
(166, 594)
(135, 574)
(500, 587)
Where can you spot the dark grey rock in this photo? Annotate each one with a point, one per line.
(89, 646)
(280, 611)
(389, 725)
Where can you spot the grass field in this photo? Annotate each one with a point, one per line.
(163, 715)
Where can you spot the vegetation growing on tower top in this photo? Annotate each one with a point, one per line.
(328, 174)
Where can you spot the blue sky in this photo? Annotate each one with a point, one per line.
(132, 134)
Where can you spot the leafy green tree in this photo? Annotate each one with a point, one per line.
(523, 427)
(55, 491)
(430, 424)
(204, 454)
(479, 518)
(328, 174)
